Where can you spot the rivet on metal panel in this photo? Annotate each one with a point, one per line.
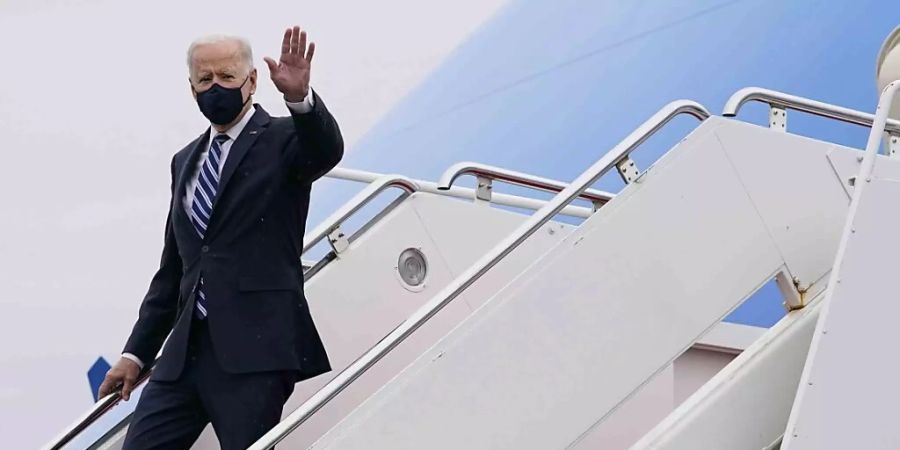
(893, 144)
(777, 117)
(338, 241)
(483, 192)
(628, 170)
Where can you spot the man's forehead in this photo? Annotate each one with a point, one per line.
(217, 54)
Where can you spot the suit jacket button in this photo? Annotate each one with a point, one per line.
(204, 249)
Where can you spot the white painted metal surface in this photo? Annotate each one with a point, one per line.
(847, 397)
(797, 194)
(655, 400)
(561, 348)
(494, 256)
(746, 405)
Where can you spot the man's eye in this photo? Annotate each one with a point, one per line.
(228, 77)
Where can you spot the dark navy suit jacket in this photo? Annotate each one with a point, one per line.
(250, 256)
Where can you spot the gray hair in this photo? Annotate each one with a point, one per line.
(243, 44)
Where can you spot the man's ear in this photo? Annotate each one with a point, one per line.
(253, 75)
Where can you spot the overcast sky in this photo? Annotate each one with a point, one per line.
(94, 101)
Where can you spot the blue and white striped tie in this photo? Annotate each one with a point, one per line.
(204, 198)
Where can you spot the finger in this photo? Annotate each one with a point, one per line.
(301, 48)
(295, 37)
(105, 387)
(295, 40)
(108, 385)
(286, 43)
(273, 66)
(312, 50)
(126, 389)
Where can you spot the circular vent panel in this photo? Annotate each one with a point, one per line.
(412, 267)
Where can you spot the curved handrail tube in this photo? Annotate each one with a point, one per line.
(473, 273)
(363, 176)
(757, 94)
(355, 204)
(510, 176)
(101, 407)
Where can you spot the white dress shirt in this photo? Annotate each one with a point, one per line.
(302, 107)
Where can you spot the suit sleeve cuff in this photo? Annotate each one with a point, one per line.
(302, 107)
(135, 359)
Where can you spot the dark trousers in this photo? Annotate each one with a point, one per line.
(242, 407)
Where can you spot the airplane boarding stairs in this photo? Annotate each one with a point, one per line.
(356, 292)
(574, 339)
(561, 351)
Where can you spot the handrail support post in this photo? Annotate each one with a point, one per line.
(484, 190)
(777, 117)
(628, 170)
(338, 240)
(893, 144)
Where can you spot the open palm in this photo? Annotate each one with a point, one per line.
(291, 73)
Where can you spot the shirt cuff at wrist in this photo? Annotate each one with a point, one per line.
(302, 107)
(134, 358)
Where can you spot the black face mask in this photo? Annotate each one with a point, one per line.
(221, 105)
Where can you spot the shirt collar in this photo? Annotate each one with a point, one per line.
(237, 128)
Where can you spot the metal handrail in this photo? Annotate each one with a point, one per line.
(788, 101)
(377, 184)
(321, 232)
(473, 273)
(517, 178)
(101, 407)
(362, 176)
(879, 126)
(355, 204)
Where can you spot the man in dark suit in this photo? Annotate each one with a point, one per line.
(229, 284)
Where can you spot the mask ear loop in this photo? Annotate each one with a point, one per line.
(242, 87)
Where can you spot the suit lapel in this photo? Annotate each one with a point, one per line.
(239, 149)
(236, 154)
(185, 171)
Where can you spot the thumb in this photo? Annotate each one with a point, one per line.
(273, 66)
